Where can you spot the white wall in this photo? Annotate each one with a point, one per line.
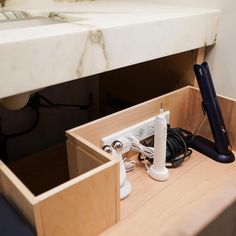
(222, 58)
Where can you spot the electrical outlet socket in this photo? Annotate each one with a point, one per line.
(140, 131)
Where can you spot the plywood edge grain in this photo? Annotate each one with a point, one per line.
(90, 147)
(17, 193)
(75, 180)
(16, 182)
(38, 220)
(117, 171)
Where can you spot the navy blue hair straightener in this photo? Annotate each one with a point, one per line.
(220, 150)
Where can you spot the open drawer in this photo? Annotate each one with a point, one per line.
(86, 204)
(197, 193)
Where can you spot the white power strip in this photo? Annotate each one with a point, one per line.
(140, 130)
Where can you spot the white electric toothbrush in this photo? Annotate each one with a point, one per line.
(158, 170)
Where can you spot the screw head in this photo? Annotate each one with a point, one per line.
(107, 148)
(117, 145)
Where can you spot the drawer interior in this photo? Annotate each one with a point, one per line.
(40, 186)
(49, 168)
(185, 112)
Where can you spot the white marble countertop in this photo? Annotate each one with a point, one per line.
(95, 37)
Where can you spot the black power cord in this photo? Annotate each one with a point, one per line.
(177, 146)
(31, 128)
(4, 137)
(52, 104)
(35, 102)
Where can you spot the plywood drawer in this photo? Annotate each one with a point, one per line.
(87, 204)
(186, 112)
(142, 207)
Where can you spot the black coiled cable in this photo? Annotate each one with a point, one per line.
(177, 146)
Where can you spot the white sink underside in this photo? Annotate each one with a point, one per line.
(98, 37)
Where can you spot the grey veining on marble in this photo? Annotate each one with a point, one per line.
(94, 37)
(2, 3)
